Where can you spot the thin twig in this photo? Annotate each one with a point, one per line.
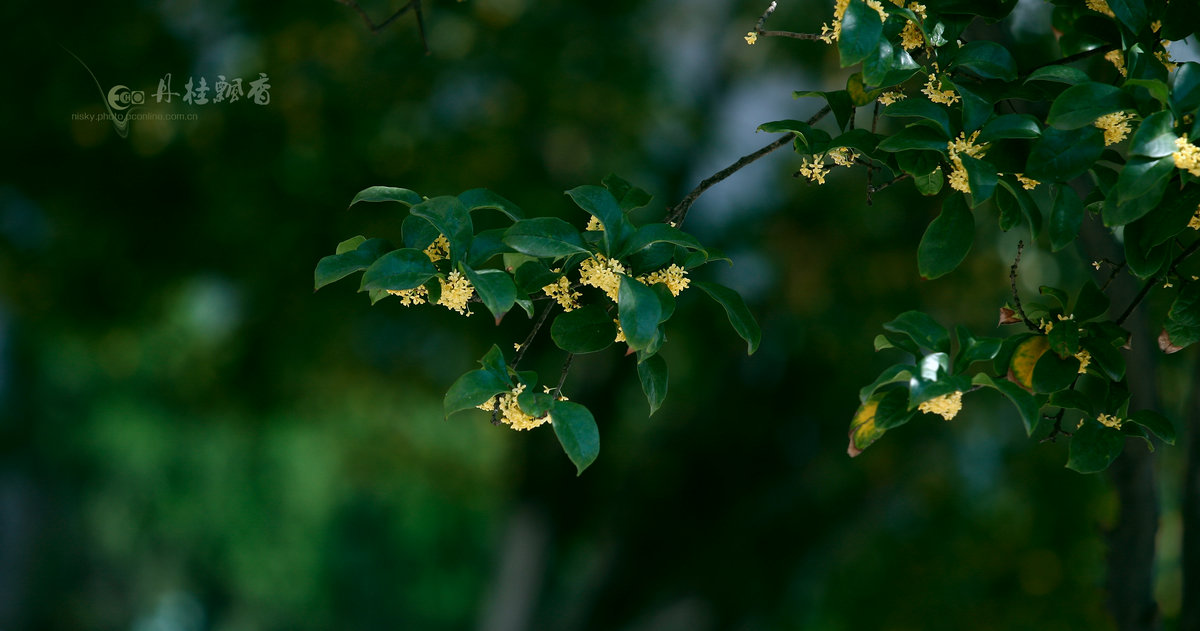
(875, 189)
(679, 212)
(1012, 279)
(537, 326)
(563, 379)
(758, 26)
(415, 5)
(1191, 249)
(808, 36)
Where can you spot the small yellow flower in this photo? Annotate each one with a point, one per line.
(1114, 57)
(842, 156)
(1084, 358)
(1165, 58)
(1194, 222)
(594, 225)
(410, 297)
(561, 291)
(1100, 6)
(439, 249)
(911, 38)
(891, 96)
(936, 94)
(517, 347)
(620, 332)
(1187, 157)
(1046, 327)
(510, 412)
(1167, 285)
(814, 169)
(946, 405)
(751, 38)
(456, 291)
(674, 277)
(1027, 183)
(1115, 126)
(1110, 421)
(1156, 26)
(956, 149)
(874, 4)
(1096, 264)
(602, 273)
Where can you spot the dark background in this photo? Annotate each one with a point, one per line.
(191, 439)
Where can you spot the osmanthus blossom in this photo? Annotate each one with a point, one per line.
(947, 406)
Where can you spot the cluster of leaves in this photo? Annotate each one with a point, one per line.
(1045, 146)
(531, 261)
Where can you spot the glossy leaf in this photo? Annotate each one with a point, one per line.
(735, 308)
(1094, 447)
(1155, 137)
(387, 194)
(1080, 105)
(1010, 126)
(397, 270)
(1066, 217)
(1026, 404)
(947, 240)
(548, 237)
(494, 287)
(1024, 358)
(659, 233)
(921, 329)
(1156, 423)
(472, 389)
(348, 260)
(600, 203)
(584, 330)
(451, 218)
(1061, 155)
(652, 372)
(576, 430)
(861, 30)
(988, 60)
(639, 311)
(481, 198)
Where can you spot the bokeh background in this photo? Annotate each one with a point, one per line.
(191, 439)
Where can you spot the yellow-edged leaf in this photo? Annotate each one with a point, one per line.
(1024, 358)
(863, 431)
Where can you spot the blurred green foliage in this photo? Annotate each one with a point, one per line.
(193, 440)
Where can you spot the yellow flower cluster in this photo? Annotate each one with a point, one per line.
(1114, 57)
(1110, 421)
(594, 225)
(456, 291)
(1165, 58)
(1085, 358)
(1100, 6)
(936, 94)
(510, 413)
(602, 273)
(1187, 157)
(891, 96)
(561, 291)
(946, 405)
(842, 156)
(911, 37)
(674, 277)
(830, 34)
(1027, 183)
(1194, 222)
(814, 169)
(439, 249)
(620, 332)
(410, 297)
(751, 38)
(1116, 126)
(957, 148)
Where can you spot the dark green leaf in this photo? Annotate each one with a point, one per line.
(548, 237)
(493, 362)
(861, 31)
(972, 349)
(451, 218)
(900, 373)
(387, 194)
(652, 372)
(1186, 95)
(398, 270)
(628, 196)
(479, 198)
(640, 311)
(889, 65)
(1080, 105)
(982, 178)
(930, 183)
(1066, 217)
(1094, 447)
(1131, 13)
(1026, 404)
(418, 232)
(1059, 74)
(988, 60)
(495, 288)
(600, 203)
(1139, 190)
(1059, 295)
(1156, 423)
(577, 433)
(947, 239)
(922, 329)
(533, 276)
(1072, 400)
(658, 233)
(347, 261)
(1091, 303)
(584, 330)
(1007, 126)
(473, 389)
(976, 108)
(923, 109)
(1053, 373)
(485, 245)
(1062, 155)
(735, 308)
(1155, 137)
(893, 410)
(536, 404)
(916, 136)
(1064, 339)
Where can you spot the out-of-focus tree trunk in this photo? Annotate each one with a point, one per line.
(1130, 581)
(1190, 615)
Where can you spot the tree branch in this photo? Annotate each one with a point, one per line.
(1012, 280)
(1191, 249)
(679, 212)
(415, 5)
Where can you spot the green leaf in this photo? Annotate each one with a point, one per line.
(735, 308)
(923, 109)
(1059, 74)
(658, 233)
(1066, 217)
(472, 389)
(1072, 400)
(387, 194)
(861, 31)
(493, 362)
(922, 329)
(1010, 126)
(628, 196)
(1053, 373)
(639, 311)
(1186, 95)
(1026, 404)
(584, 330)
(577, 433)
(1139, 189)
(1131, 13)
(988, 60)
(889, 65)
(916, 137)
(900, 373)
(600, 203)
(485, 245)
(495, 288)
(1062, 155)
(480, 198)
(652, 372)
(982, 178)
(417, 232)
(548, 237)
(1156, 423)
(1091, 303)
(976, 109)
(1155, 137)
(930, 183)
(348, 260)
(972, 349)
(893, 410)
(1094, 447)
(1080, 105)
(1064, 339)
(947, 240)
(532, 276)
(839, 101)
(451, 218)
(398, 270)
(536, 404)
